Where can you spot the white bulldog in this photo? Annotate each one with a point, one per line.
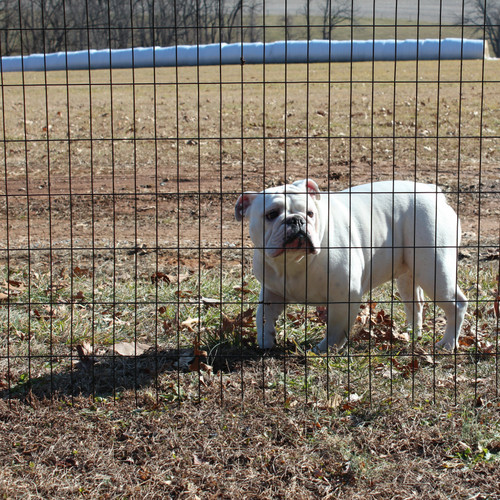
(331, 248)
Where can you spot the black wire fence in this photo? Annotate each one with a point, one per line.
(124, 268)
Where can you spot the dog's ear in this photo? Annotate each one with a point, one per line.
(243, 204)
(310, 186)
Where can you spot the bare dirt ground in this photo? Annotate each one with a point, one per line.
(85, 168)
(107, 175)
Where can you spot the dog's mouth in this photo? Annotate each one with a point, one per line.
(299, 242)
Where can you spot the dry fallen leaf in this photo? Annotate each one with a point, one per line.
(424, 355)
(190, 323)
(297, 318)
(379, 326)
(79, 272)
(243, 288)
(78, 296)
(401, 335)
(493, 254)
(408, 369)
(157, 277)
(209, 302)
(332, 403)
(169, 278)
(49, 313)
(12, 288)
(16, 284)
(85, 350)
(86, 354)
(365, 312)
(467, 341)
(321, 314)
(197, 364)
(487, 348)
(198, 461)
(197, 351)
(244, 319)
(130, 348)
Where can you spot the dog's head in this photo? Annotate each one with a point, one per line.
(283, 219)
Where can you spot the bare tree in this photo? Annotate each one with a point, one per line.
(253, 10)
(331, 12)
(9, 18)
(485, 15)
(334, 13)
(231, 20)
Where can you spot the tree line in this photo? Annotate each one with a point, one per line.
(30, 26)
(58, 25)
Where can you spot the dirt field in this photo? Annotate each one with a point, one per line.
(119, 221)
(167, 171)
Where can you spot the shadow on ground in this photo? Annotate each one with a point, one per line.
(105, 375)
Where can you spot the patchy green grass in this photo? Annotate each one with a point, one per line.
(58, 324)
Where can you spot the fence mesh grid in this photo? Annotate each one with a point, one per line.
(123, 267)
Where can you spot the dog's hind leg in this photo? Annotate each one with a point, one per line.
(412, 296)
(443, 289)
(454, 310)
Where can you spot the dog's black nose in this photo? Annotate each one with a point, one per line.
(295, 221)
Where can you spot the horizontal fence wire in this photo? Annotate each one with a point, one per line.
(133, 238)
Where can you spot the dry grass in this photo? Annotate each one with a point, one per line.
(141, 449)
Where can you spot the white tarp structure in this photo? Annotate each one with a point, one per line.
(292, 51)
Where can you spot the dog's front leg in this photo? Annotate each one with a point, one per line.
(270, 307)
(341, 318)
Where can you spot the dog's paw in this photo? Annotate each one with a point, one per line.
(446, 344)
(268, 341)
(320, 348)
(317, 350)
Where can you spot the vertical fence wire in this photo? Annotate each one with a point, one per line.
(6, 352)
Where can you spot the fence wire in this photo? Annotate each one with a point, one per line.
(124, 269)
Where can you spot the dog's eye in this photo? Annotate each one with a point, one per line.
(310, 214)
(272, 214)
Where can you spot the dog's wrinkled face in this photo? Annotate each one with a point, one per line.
(284, 219)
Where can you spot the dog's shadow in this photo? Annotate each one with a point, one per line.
(108, 374)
